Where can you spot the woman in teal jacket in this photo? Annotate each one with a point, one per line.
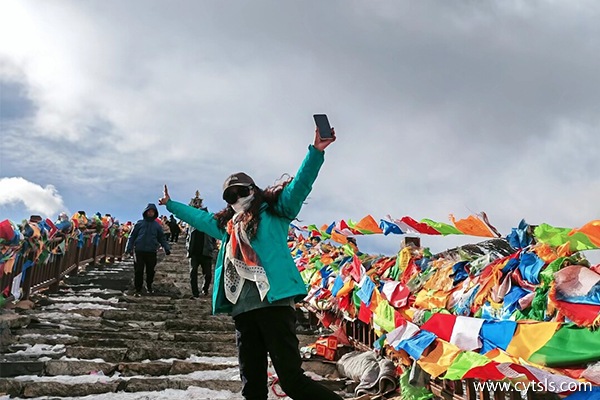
(256, 279)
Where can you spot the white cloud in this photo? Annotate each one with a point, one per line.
(36, 199)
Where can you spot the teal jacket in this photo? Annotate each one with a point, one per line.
(270, 242)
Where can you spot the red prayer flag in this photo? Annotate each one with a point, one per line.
(364, 314)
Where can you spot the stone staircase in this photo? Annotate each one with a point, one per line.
(94, 340)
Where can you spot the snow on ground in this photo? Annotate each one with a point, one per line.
(52, 336)
(229, 374)
(80, 306)
(83, 298)
(41, 349)
(192, 393)
(53, 316)
(96, 360)
(199, 359)
(55, 336)
(93, 290)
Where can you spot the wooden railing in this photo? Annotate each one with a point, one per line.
(47, 274)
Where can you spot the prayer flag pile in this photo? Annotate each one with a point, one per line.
(525, 309)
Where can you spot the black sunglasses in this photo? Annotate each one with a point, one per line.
(232, 194)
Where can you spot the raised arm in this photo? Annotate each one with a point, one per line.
(295, 193)
(131, 239)
(200, 219)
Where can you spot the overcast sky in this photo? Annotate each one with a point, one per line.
(440, 107)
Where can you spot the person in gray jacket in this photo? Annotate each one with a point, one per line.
(145, 239)
(200, 250)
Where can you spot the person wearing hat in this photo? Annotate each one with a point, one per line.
(256, 280)
(145, 238)
(200, 248)
(63, 224)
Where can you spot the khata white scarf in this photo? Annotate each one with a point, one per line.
(241, 263)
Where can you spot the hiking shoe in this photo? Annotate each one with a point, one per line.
(194, 297)
(137, 294)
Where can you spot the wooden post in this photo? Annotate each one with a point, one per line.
(411, 241)
(58, 268)
(26, 287)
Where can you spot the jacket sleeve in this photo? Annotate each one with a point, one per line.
(131, 240)
(200, 219)
(188, 240)
(162, 239)
(295, 193)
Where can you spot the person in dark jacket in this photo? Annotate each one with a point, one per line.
(175, 229)
(145, 238)
(200, 248)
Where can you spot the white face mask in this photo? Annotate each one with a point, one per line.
(243, 203)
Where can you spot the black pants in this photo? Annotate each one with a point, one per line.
(206, 263)
(144, 260)
(273, 330)
(174, 237)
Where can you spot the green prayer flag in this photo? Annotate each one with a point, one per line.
(444, 229)
(355, 299)
(570, 345)
(384, 316)
(395, 270)
(554, 236)
(463, 363)
(547, 275)
(410, 392)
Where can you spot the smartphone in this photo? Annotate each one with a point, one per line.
(323, 124)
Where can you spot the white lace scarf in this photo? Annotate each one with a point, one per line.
(237, 271)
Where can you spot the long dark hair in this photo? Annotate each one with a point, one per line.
(251, 218)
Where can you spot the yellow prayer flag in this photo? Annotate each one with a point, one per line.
(428, 300)
(375, 299)
(501, 356)
(530, 337)
(347, 288)
(440, 358)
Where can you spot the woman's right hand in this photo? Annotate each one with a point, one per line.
(163, 201)
(320, 144)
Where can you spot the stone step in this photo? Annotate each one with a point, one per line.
(121, 315)
(113, 282)
(45, 338)
(87, 367)
(117, 350)
(90, 291)
(54, 389)
(150, 352)
(216, 380)
(211, 342)
(210, 324)
(77, 321)
(16, 368)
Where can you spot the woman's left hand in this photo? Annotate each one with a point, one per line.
(163, 200)
(320, 144)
